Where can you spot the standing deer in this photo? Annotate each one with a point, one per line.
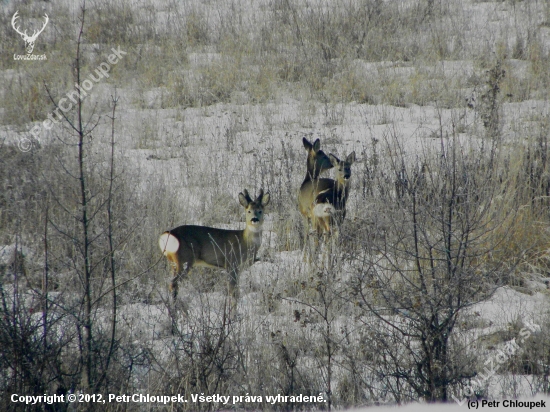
(329, 205)
(317, 162)
(29, 40)
(189, 246)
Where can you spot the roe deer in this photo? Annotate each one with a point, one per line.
(188, 246)
(317, 162)
(329, 205)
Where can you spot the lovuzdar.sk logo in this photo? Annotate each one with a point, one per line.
(29, 40)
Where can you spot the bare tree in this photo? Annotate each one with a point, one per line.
(88, 222)
(431, 259)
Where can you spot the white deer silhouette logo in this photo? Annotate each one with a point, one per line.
(29, 40)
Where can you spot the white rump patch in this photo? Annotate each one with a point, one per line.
(324, 210)
(168, 243)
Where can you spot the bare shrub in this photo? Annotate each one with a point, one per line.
(415, 279)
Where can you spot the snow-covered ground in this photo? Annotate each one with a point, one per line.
(202, 157)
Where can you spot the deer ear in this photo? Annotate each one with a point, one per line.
(265, 199)
(334, 160)
(351, 158)
(317, 145)
(307, 144)
(242, 200)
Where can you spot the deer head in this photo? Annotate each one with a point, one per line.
(29, 40)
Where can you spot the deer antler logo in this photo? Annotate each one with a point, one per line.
(29, 40)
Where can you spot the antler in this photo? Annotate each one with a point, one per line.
(25, 36)
(247, 196)
(260, 195)
(35, 34)
(13, 19)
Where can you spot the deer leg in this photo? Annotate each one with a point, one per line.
(315, 241)
(177, 273)
(234, 283)
(307, 233)
(233, 290)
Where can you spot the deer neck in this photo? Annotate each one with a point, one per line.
(342, 187)
(311, 172)
(252, 236)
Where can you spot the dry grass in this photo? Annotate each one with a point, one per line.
(225, 68)
(287, 46)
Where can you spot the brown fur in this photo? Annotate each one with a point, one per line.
(219, 248)
(328, 208)
(317, 162)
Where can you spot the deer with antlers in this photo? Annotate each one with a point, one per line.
(29, 40)
(189, 246)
